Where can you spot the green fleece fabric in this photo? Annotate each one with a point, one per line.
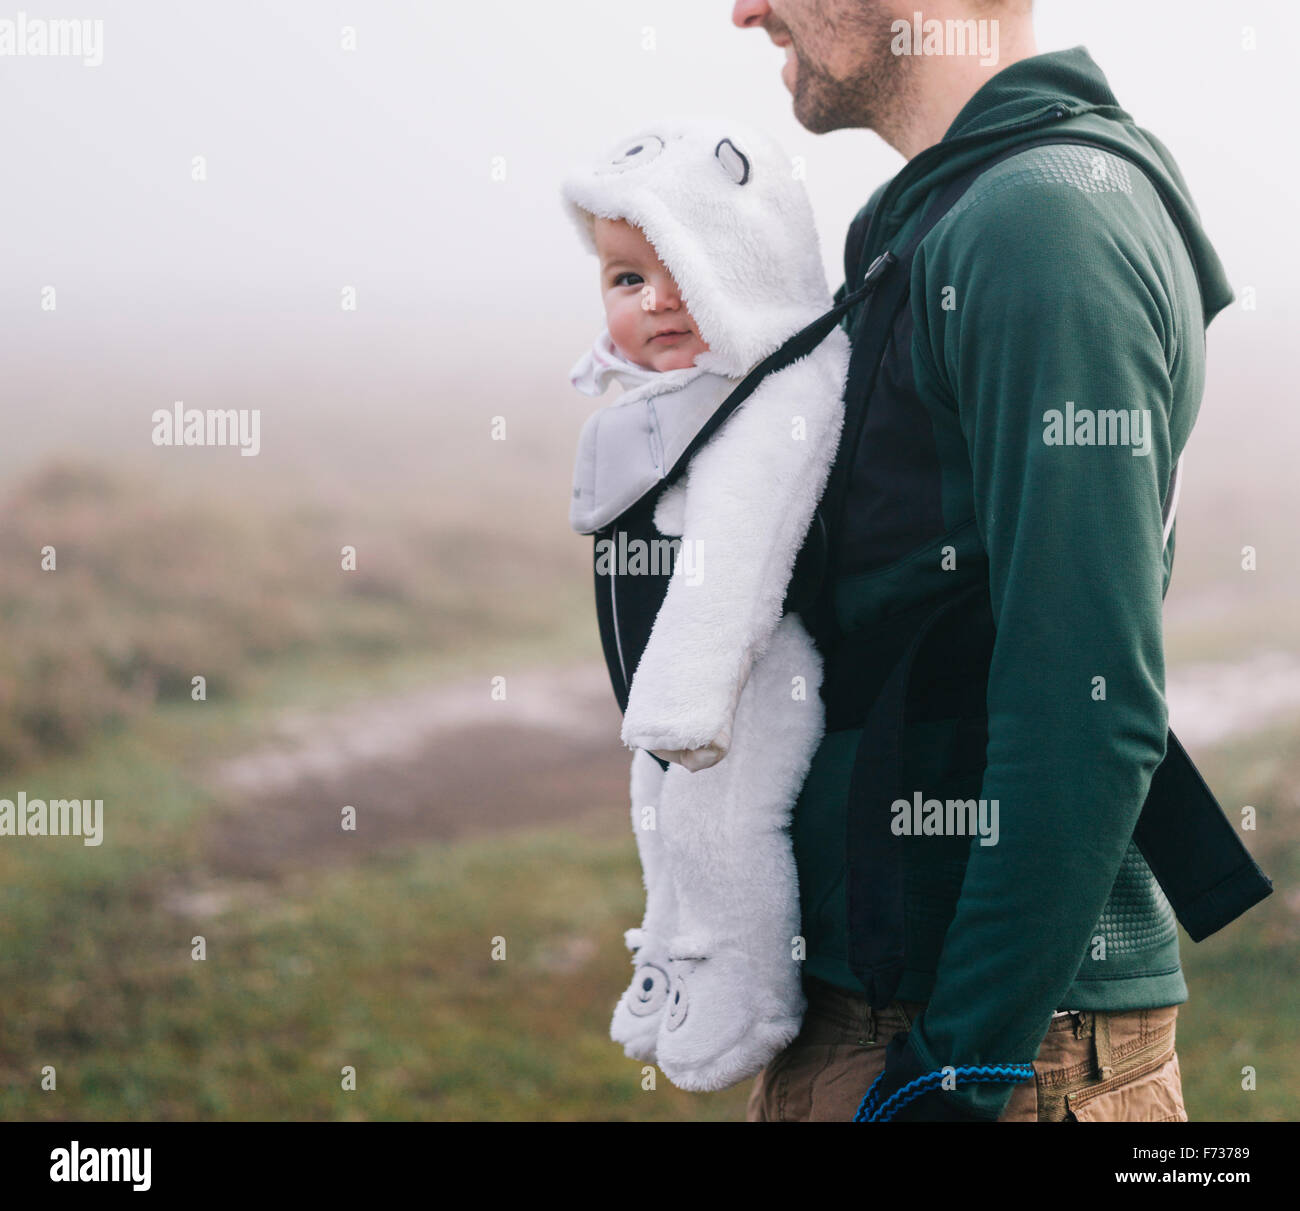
(1058, 283)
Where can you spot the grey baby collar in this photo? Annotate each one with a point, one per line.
(626, 448)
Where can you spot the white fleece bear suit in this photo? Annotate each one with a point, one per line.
(727, 687)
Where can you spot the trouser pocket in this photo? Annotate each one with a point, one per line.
(1101, 1065)
(1151, 1093)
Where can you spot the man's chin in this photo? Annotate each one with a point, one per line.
(810, 117)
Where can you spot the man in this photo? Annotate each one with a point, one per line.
(1042, 375)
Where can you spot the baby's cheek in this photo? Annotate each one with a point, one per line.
(622, 327)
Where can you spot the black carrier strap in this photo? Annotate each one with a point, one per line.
(800, 345)
(626, 606)
(875, 892)
(930, 661)
(890, 275)
(1192, 849)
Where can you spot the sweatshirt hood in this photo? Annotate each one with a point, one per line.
(729, 219)
(1063, 92)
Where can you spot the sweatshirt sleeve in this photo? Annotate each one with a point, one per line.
(1056, 304)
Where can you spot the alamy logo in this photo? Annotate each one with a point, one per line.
(650, 557)
(82, 818)
(75, 38)
(947, 37)
(240, 427)
(78, 1164)
(920, 817)
(1107, 427)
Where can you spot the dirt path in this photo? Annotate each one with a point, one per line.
(449, 761)
(438, 764)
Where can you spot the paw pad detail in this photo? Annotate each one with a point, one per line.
(648, 991)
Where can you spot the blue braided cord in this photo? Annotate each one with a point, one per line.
(868, 1105)
(976, 1074)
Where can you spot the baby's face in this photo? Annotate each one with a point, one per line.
(644, 311)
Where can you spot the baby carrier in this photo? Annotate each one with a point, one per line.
(1186, 839)
(718, 681)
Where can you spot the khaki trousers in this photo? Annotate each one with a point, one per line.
(1103, 1066)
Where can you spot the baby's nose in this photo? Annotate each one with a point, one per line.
(660, 296)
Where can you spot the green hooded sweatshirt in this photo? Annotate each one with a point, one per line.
(1058, 284)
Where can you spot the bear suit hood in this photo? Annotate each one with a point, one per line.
(727, 215)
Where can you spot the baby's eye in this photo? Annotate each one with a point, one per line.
(618, 281)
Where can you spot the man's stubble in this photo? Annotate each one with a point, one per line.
(873, 89)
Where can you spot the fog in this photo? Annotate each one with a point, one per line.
(373, 168)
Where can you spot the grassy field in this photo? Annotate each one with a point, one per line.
(158, 578)
(1243, 981)
(385, 963)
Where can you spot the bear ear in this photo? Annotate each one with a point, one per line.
(734, 161)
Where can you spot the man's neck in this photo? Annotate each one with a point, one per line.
(942, 84)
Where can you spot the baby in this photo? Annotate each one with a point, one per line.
(646, 321)
(709, 262)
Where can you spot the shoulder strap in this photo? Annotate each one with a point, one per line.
(891, 272)
(799, 345)
(1192, 849)
(893, 277)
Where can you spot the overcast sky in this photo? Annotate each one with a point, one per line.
(372, 168)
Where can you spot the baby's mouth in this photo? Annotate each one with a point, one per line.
(668, 336)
